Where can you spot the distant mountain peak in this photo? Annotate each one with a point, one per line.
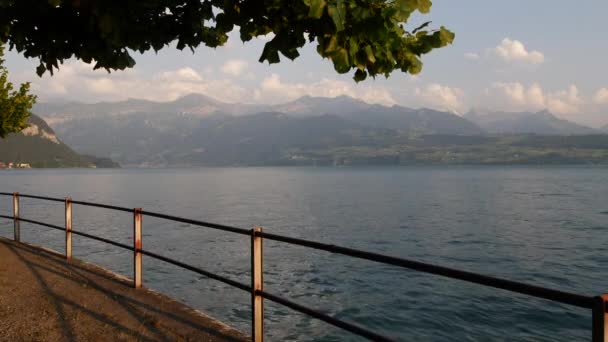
(339, 98)
(195, 98)
(546, 113)
(541, 122)
(348, 97)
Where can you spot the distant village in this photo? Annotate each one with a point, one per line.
(15, 165)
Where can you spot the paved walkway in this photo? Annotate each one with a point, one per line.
(43, 298)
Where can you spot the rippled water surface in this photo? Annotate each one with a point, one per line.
(542, 225)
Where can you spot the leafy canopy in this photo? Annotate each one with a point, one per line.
(365, 36)
(15, 105)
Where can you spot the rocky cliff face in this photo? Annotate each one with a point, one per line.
(38, 146)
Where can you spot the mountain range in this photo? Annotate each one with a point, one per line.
(139, 132)
(198, 130)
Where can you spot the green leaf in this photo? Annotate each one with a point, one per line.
(360, 75)
(340, 59)
(337, 12)
(40, 70)
(291, 53)
(270, 54)
(416, 66)
(424, 6)
(370, 54)
(316, 8)
(332, 44)
(446, 36)
(353, 47)
(130, 61)
(403, 9)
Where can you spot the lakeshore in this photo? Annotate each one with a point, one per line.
(47, 298)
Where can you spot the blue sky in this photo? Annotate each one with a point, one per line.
(508, 55)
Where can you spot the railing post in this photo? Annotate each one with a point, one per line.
(257, 284)
(600, 328)
(16, 222)
(68, 228)
(137, 248)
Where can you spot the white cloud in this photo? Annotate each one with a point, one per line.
(515, 96)
(103, 85)
(514, 51)
(471, 55)
(442, 97)
(184, 74)
(77, 80)
(514, 91)
(565, 101)
(601, 96)
(535, 96)
(234, 67)
(273, 90)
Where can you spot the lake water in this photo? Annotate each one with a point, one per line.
(542, 225)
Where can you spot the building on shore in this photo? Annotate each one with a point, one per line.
(11, 165)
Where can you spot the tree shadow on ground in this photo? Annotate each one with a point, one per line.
(140, 311)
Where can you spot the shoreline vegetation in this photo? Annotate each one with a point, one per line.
(423, 150)
(432, 150)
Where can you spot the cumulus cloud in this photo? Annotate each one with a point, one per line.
(442, 97)
(520, 96)
(234, 67)
(511, 50)
(566, 101)
(601, 96)
(184, 74)
(515, 96)
(274, 90)
(77, 80)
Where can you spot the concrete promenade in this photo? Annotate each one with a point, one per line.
(44, 298)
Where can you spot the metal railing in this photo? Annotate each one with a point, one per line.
(598, 304)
